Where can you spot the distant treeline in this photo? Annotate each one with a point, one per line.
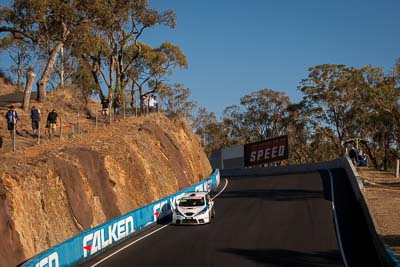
(339, 103)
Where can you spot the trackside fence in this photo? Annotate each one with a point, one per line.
(92, 242)
(71, 125)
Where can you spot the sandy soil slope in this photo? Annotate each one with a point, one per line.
(382, 190)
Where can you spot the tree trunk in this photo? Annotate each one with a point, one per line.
(112, 88)
(30, 78)
(373, 159)
(19, 81)
(42, 83)
(62, 67)
(118, 86)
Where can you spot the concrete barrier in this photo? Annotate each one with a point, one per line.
(92, 242)
(281, 170)
(394, 261)
(386, 256)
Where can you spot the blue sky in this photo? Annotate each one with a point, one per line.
(235, 47)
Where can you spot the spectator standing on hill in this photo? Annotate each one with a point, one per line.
(145, 104)
(105, 104)
(153, 105)
(35, 117)
(353, 156)
(12, 118)
(52, 122)
(117, 106)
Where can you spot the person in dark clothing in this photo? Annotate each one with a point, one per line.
(12, 118)
(52, 122)
(117, 106)
(35, 117)
(105, 103)
(353, 156)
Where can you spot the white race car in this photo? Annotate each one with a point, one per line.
(194, 208)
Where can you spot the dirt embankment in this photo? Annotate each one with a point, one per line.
(6, 87)
(53, 191)
(382, 191)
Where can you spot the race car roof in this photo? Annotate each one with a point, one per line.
(194, 195)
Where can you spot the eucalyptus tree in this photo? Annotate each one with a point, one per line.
(84, 81)
(353, 103)
(300, 131)
(234, 125)
(45, 24)
(216, 137)
(19, 54)
(113, 48)
(395, 108)
(200, 122)
(212, 133)
(153, 65)
(176, 100)
(383, 101)
(329, 92)
(261, 114)
(362, 107)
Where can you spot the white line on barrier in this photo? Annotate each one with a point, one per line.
(149, 234)
(336, 221)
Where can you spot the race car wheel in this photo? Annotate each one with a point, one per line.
(213, 213)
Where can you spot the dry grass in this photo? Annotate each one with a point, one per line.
(382, 190)
(6, 87)
(67, 103)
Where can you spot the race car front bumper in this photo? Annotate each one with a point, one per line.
(200, 219)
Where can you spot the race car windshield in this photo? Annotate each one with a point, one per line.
(191, 202)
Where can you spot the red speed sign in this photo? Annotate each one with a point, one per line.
(269, 150)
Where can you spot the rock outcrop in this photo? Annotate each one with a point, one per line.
(55, 190)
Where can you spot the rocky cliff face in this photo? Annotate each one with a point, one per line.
(55, 190)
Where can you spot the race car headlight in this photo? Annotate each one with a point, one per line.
(177, 212)
(202, 211)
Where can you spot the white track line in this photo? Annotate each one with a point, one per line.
(149, 234)
(222, 190)
(137, 240)
(336, 221)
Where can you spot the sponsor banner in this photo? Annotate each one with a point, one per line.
(266, 151)
(98, 239)
(49, 261)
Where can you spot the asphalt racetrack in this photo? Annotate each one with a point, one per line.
(285, 220)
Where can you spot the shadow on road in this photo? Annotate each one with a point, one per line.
(275, 195)
(279, 257)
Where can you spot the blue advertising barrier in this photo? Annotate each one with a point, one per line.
(98, 239)
(393, 260)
